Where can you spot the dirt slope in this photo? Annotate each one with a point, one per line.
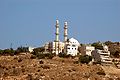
(23, 67)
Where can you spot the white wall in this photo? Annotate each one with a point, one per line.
(73, 50)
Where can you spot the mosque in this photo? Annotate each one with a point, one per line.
(68, 46)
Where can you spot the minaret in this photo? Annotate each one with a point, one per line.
(65, 36)
(65, 32)
(57, 37)
(57, 31)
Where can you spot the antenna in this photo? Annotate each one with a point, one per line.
(11, 45)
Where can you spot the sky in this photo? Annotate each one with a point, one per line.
(32, 22)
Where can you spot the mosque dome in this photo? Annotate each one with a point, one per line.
(73, 41)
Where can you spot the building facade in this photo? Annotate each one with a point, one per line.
(87, 50)
(102, 55)
(72, 47)
(52, 47)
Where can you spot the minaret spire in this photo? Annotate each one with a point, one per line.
(57, 37)
(65, 31)
(57, 30)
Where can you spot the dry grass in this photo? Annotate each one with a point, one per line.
(23, 67)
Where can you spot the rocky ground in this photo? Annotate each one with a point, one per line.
(25, 67)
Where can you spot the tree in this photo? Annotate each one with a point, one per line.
(38, 50)
(116, 54)
(7, 52)
(85, 59)
(1, 51)
(21, 49)
(64, 55)
(39, 53)
(113, 48)
(98, 45)
(108, 43)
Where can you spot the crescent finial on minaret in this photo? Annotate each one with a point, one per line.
(57, 21)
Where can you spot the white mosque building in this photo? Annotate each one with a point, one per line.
(71, 47)
(68, 46)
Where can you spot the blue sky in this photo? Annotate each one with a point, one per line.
(32, 22)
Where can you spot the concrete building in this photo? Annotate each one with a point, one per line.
(46, 46)
(30, 49)
(102, 55)
(87, 50)
(71, 47)
(56, 49)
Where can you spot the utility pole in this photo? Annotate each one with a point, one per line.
(11, 46)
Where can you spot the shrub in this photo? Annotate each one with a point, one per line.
(116, 54)
(49, 55)
(41, 62)
(7, 52)
(75, 62)
(23, 70)
(39, 52)
(98, 62)
(15, 72)
(61, 55)
(101, 73)
(64, 55)
(20, 60)
(40, 49)
(21, 49)
(38, 70)
(1, 51)
(5, 74)
(85, 59)
(45, 67)
(29, 77)
(33, 57)
(98, 45)
(41, 55)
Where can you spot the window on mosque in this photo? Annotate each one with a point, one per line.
(73, 45)
(68, 48)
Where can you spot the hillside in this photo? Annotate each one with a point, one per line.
(25, 67)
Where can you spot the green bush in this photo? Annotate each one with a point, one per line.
(41, 55)
(21, 49)
(49, 55)
(1, 51)
(61, 55)
(85, 59)
(98, 45)
(39, 52)
(64, 55)
(7, 52)
(40, 49)
(33, 57)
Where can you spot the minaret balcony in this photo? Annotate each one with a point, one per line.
(65, 28)
(57, 33)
